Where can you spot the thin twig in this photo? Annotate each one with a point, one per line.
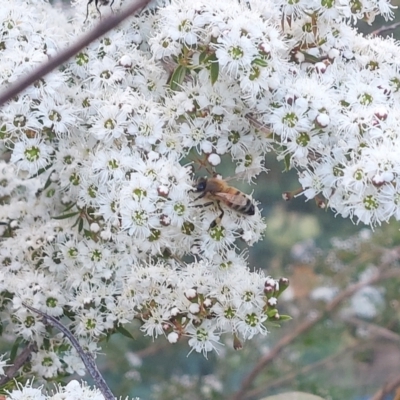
(388, 388)
(384, 29)
(303, 371)
(19, 361)
(306, 326)
(86, 357)
(373, 329)
(102, 27)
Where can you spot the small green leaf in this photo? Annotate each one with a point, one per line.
(41, 170)
(293, 396)
(69, 207)
(125, 332)
(285, 318)
(14, 349)
(287, 160)
(48, 181)
(260, 62)
(80, 225)
(214, 68)
(202, 57)
(65, 216)
(178, 77)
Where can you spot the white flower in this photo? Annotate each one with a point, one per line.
(203, 338)
(31, 155)
(235, 52)
(46, 363)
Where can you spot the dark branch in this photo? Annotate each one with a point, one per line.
(102, 27)
(85, 357)
(19, 361)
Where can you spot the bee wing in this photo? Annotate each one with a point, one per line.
(241, 176)
(236, 199)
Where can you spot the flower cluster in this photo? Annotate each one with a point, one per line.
(73, 391)
(98, 204)
(98, 199)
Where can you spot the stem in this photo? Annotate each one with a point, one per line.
(87, 358)
(102, 27)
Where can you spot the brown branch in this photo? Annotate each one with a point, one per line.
(303, 371)
(19, 362)
(152, 350)
(373, 329)
(102, 27)
(86, 357)
(306, 326)
(388, 388)
(386, 28)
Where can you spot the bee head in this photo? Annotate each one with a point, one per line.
(201, 185)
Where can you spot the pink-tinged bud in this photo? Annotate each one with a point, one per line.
(269, 291)
(165, 220)
(207, 303)
(194, 308)
(320, 202)
(237, 344)
(286, 196)
(163, 191)
(381, 113)
(125, 61)
(272, 301)
(283, 282)
(190, 293)
(173, 337)
(322, 120)
(214, 159)
(320, 67)
(333, 53)
(277, 316)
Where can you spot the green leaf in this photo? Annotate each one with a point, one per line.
(48, 181)
(293, 396)
(69, 207)
(80, 225)
(65, 216)
(214, 68)
(286, 161)
(178, 77)
(285, 318)
(260, 62)
(125, 332)
(14, 350)
(202, 57)
(41, 170)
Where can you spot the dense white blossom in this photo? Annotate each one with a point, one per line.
(101, 209)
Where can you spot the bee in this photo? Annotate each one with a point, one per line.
(96, 3)
(217, 190)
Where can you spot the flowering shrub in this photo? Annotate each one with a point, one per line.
(98, 211)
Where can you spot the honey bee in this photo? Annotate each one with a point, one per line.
(217, 190)
(96, 3)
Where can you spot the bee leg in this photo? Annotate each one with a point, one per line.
(210, 203)
(201, 196)
(219, 218)
(87, 10)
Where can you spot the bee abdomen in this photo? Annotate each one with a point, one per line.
(249, 208)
